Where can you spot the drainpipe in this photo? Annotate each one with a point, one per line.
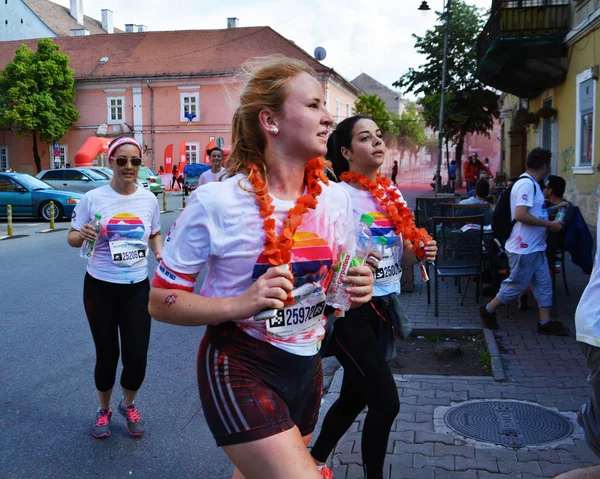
(152, 121)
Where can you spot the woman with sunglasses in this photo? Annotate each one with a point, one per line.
(116, 287)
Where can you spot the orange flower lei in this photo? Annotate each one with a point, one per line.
(278, 249)
(390, 201)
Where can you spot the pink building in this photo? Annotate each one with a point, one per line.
(175, 91)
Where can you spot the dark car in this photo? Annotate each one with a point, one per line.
(30, 197)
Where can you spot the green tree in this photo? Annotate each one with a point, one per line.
(469, 104)
(374, 106)
(409, 132)
(37, 94)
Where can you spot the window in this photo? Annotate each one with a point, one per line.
(348, 110)
(59, 156)
(73, 175)
(53, 175)
(337, 109)
(6, 185)
(190, 106)
(3, 158)
(116, 109)
(547, 127)
(191, 153)
(586, 99)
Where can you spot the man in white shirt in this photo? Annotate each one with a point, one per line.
(587, 327)
(526, 247)
(215, 172)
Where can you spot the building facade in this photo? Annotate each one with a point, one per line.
(174, 91)
(550, 89)
(28, 19)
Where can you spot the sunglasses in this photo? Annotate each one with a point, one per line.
(122, 161)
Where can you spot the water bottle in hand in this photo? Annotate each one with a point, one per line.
(337, 297)
(87, 249)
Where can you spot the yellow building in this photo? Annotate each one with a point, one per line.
(542, 55)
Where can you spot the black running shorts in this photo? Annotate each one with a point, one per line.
(251, 390)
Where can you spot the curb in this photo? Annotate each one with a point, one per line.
(49, 230)
(490, 340)
(7, 237)
(496, 357)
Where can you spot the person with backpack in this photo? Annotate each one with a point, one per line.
(526, 244)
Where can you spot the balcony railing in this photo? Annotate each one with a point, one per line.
(523, 18)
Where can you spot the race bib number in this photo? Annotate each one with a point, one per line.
(304, 315)
(127, 252)
(389, 270)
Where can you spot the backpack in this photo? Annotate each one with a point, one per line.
(502, 222)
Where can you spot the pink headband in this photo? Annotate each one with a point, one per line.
(120, 142)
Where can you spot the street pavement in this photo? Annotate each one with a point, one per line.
(48, 399)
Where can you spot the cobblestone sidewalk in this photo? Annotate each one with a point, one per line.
(549, 371)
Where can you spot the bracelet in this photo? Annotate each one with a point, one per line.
(549, 224)
(156, 253)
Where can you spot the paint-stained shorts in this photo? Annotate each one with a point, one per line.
(252, 390)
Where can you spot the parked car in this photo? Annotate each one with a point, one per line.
(108, 173)
(148, 174)
(73, 179)
(29, 197)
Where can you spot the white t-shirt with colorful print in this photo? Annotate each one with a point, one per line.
(221, 228)
(389, 271)
(128, 221)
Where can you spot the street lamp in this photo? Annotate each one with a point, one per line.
(446, 11)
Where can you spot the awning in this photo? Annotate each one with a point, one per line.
(92, 147)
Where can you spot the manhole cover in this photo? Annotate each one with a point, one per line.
(508, 423)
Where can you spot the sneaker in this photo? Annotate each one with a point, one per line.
(488, 319)
(326, 473)
(101, 429)
(554, 328)
(523, 302)
(135, 425)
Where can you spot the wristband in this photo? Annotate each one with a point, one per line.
(549, 224)
(156, 253)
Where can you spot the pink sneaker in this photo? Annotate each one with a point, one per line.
(326, 473)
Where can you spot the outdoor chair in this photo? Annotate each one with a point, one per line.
(426, 209)
(456, 209)
(460, 252)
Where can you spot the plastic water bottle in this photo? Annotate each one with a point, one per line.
(560, 215)
(87, 249)
(337, 297)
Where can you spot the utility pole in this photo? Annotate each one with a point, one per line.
(438, 178)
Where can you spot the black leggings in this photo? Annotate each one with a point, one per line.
(111, 309)
(368, 381)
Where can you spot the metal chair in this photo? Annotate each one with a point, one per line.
(426, 209)
(457, 209)
(460, 251)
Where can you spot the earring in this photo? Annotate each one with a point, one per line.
(274, 129)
